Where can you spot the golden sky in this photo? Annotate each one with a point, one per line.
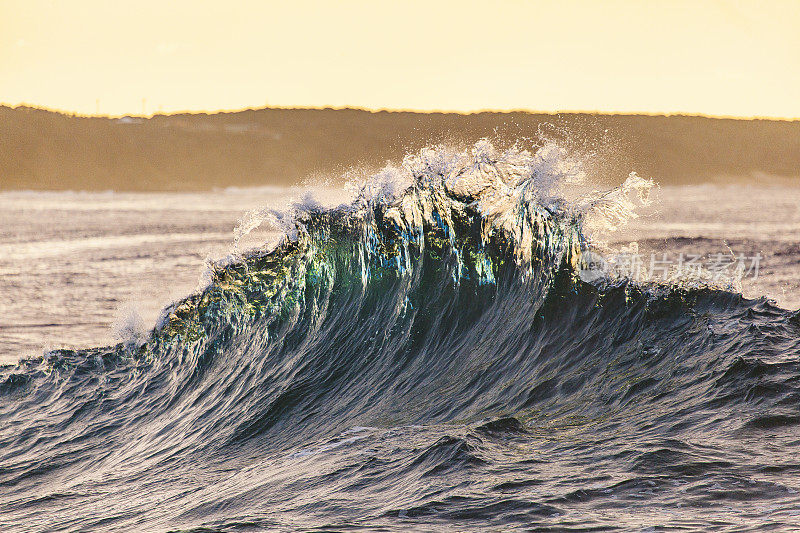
(709, 57)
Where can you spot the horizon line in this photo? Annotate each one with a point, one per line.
(221, 111)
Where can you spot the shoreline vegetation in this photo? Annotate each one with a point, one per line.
(49, 150)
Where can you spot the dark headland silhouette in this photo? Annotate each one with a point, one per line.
(47, 150)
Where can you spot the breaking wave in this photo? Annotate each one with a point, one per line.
(426, 355)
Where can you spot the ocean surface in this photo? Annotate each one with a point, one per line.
(432, 349)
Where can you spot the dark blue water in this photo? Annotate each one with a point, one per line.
(426, 358)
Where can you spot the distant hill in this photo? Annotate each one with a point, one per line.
(42, 149)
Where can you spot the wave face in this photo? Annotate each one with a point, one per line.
(426, 357)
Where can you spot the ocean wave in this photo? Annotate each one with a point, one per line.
(439, 314)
